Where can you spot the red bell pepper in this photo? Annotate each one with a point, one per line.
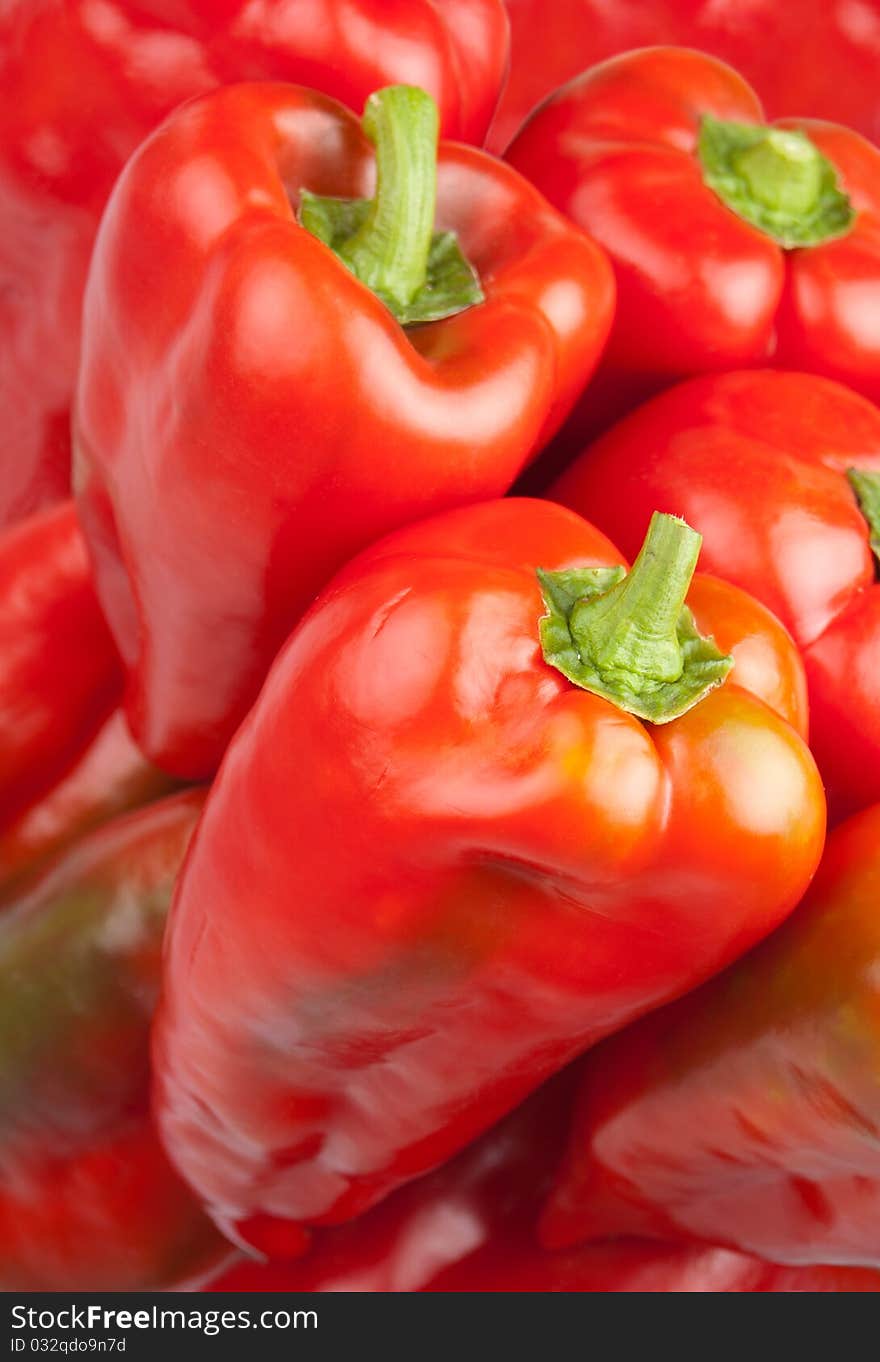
(815, 57)
(760, 464)
(733, 243)
(87, 1199)
(84, 84)
(60, 677)
(443, 855)
(266, 403)
(495, 1184)
(469, 1226)
(748, 1113)
(518, 1264)
(110, 778)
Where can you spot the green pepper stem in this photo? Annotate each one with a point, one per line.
(629, 637)
(633, 628)
(783, 171)
(866, 486)
(389, 253)
(777, 179)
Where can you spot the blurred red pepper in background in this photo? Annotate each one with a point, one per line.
(780, 473)
(250, 409)
(87, 1199)
(84, 83)
(493, 1188)
(60, 677)
(443, 856)
(67, 760)
(470, 1226)
(749, 1113)
(512, 1261)
(517, 1263)
(110, 777)
(733, 243)
(818, 57)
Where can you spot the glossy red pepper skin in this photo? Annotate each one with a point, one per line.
(60, 152)
(699, 289)
(292, 456)
(432, 870)
(757, 463)
(813, 57)
(748, 1113)
(87, 1199)
(517, 1263)
(110, 778)
(60, 677)
(470, 1226)
(494, 1185)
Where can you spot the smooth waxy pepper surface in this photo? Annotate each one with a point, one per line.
(433, 868)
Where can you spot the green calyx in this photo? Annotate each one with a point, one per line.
(867, 489)
(388, 242)
(628, 636)
(776, 179)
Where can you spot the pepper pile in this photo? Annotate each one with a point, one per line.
(413, 859)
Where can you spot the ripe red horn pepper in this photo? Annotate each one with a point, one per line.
(60, 677)
(433, 868)
(748, 1113)
(733, 242)
(469, 1226)
(779, 473)
(84, 84)
(110, 778)
(492, 1188)
(87, 1199)
(67, 761)
(267, 405)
